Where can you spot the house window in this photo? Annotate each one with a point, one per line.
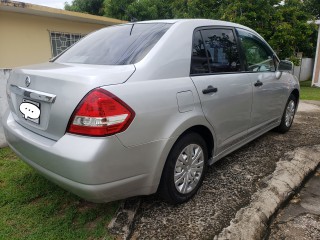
(61, 41)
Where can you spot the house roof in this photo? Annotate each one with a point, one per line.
(27, 8)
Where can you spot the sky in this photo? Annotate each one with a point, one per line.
(48, 3)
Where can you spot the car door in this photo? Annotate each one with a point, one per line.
(268, 91)
(225, 92)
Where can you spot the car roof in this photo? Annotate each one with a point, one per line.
(199, 22)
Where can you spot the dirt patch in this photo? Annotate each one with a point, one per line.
(85, 206)
(94, 223)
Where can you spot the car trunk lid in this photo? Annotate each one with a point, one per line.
(54, 90)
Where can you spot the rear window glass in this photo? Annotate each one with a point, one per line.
(118, 45)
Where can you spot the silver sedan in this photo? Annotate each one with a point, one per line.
(145, 107)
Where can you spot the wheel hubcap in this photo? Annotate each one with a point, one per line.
(188, 169)
(290, 113)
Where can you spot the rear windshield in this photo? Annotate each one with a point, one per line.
(118, 45)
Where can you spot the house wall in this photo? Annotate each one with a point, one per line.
(25, 38)
(4, 74)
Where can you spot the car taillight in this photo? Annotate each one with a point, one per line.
(100, 113)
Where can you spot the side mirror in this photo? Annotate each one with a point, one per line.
(284, 66)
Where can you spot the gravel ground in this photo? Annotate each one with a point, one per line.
(228, 186)
(231, 184)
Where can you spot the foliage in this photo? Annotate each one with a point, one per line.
(292, 32)
(138, 10)
(260, 16)
(94, 7)
(282, 23)
(196, 9)
(313, 7)
(295, 60)
(117, 9)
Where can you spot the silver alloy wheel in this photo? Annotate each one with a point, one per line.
(189, 168)
(291, 108)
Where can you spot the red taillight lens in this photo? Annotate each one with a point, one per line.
(100, 113)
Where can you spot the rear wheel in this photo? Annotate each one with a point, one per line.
(288, 115)
(185, 169)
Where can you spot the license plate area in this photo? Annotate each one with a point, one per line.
(30, 110)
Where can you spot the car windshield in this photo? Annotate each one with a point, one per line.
(117, 45)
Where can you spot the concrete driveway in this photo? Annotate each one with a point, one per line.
(230, 186)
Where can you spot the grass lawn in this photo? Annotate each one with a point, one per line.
(308, 92)
(33, 208)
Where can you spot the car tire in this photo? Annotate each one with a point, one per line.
(288, 115)
(185, 169)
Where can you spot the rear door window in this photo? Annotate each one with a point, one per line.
(215, 51)
(222, 50)
(117, 45)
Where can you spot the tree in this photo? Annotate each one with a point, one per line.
(94, 7)
(282, 23)
(313, 7)
(292, 32)
(117, 9)
(138, 9)
(260, 16)
(196, 8)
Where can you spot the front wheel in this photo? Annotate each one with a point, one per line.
(288, 115)
(184, 170)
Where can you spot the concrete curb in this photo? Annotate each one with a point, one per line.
(251, 222)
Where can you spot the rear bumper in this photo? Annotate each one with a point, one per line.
(97, 169)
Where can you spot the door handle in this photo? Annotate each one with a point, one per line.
(258, 84)
(210, 89)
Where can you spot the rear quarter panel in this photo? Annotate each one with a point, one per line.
(157, 112)
(158, 118)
